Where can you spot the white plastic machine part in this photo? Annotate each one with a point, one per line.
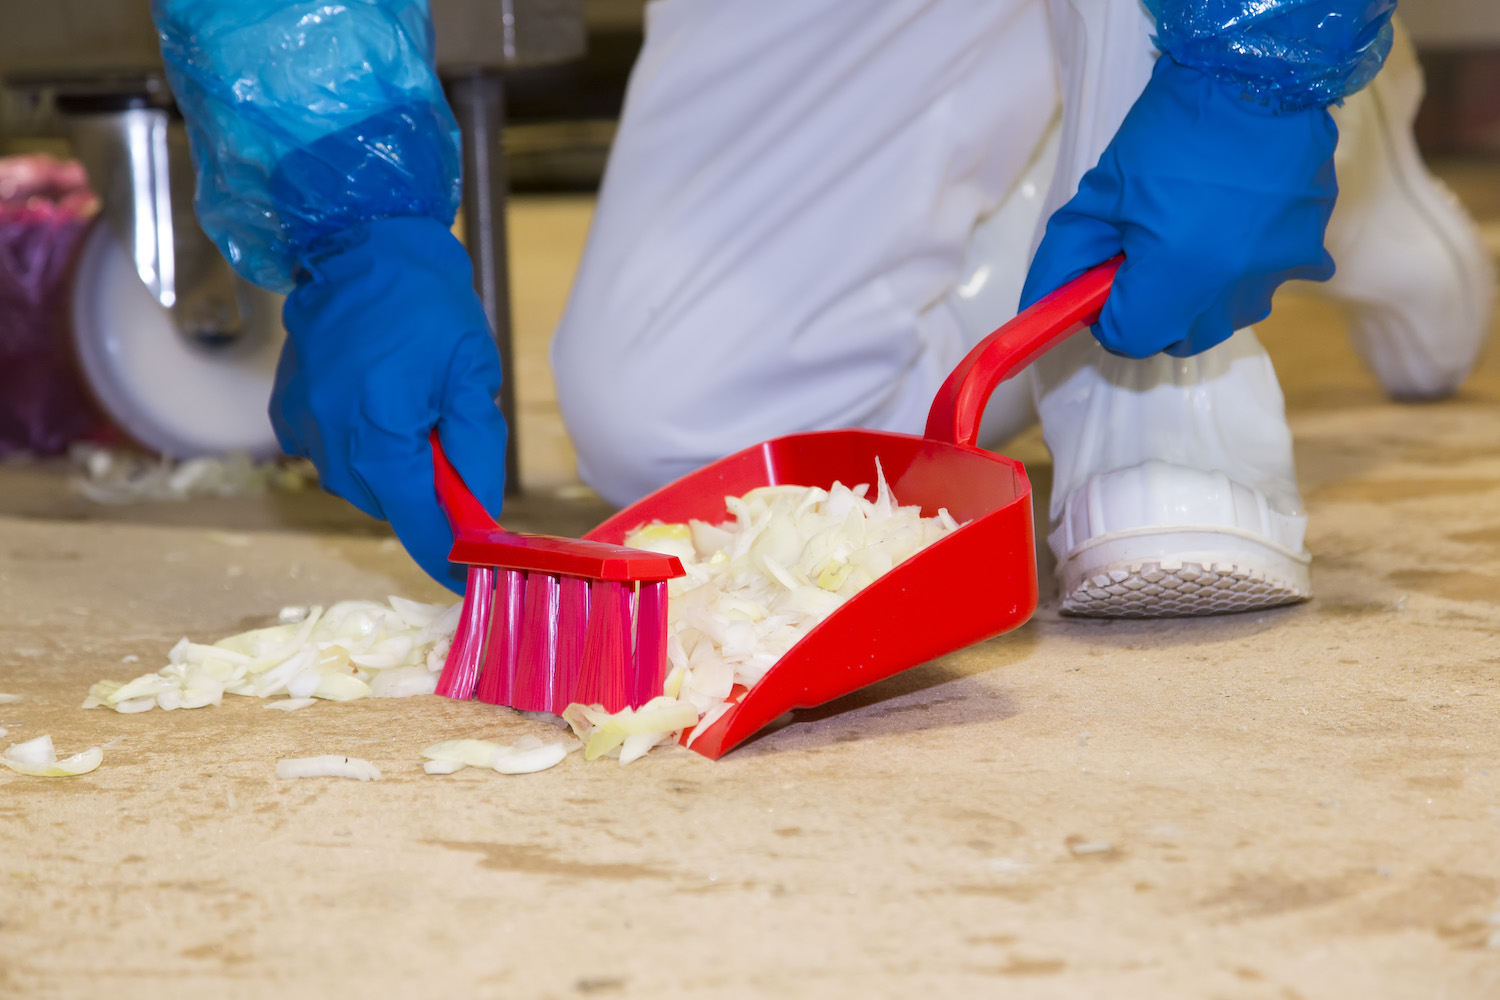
(170, 394)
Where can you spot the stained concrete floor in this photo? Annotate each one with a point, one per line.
(1303, 803)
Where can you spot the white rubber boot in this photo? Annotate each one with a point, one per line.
(1412, 268)
(1173, 490)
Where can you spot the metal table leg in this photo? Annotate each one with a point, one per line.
(478, 100)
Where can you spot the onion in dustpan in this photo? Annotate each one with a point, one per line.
(355, 649)
(38, 758)
(754, 586)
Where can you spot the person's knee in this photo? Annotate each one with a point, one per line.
(620, 416)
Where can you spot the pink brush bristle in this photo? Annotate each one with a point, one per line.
(503, 651)
(606, 648)
(539, 642)
(466, 655)
(572, 624)
(538, 657)
(550, 621)
(650, 641)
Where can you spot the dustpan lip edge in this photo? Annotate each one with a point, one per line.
(1018, 468)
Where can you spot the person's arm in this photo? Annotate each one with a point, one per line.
(346, 92)
(1287, 53)
(328, 168)
(1219, 184)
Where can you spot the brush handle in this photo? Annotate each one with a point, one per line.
(479, 541)
(960, 403)
(464, 511)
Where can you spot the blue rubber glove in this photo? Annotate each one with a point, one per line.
(1215, 201)
(386, 340)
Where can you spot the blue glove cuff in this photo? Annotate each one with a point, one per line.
(340, 182)
(412, 265)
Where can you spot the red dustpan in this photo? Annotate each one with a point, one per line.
(971, 585)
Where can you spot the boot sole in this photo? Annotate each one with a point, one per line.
(1181, 573)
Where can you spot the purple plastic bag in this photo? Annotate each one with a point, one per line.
(45, 208)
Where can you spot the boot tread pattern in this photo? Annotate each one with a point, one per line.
(1151, 590)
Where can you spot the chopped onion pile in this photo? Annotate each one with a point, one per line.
(356, 649)
(759, 583)
(328, 766)
(290, 704)
(525, 756)
(38, 758)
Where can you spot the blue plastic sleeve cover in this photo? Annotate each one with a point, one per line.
(1293, 54)
(307, 118)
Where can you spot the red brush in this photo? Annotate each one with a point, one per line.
(551, 621)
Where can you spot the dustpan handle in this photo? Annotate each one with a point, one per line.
(464, 510)
(960, 403)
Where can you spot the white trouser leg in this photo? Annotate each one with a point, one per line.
(1173, 484)
(787, 206)
(1412, 268)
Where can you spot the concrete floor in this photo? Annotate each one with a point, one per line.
(1297, 804)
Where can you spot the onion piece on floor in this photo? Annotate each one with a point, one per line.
(9, 699)
(630, 731)
(526, 756)
(403, 682)
(353, 650)
(468, 753)
(532, 760)
(38, 759)
(636, 745)
(290, 704)
(327, 766)
(37, 751)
